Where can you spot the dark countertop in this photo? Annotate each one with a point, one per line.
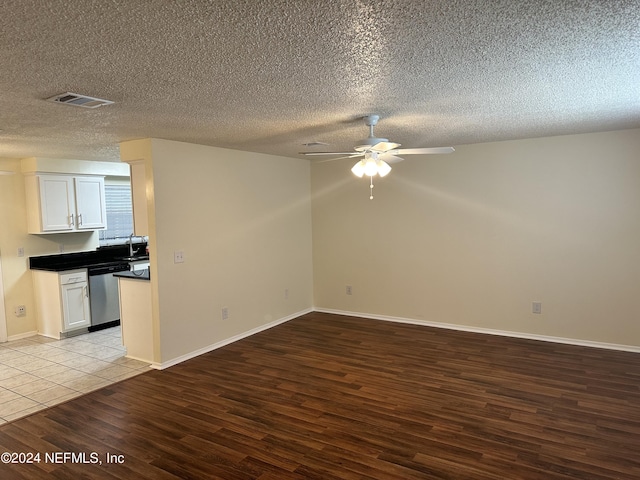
(137, 275)
(101, 257)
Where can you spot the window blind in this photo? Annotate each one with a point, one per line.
(119, 213)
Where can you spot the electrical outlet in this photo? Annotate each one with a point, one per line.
(536, 307)
(225, 313)
(21, 251)
(286, 294)
(21, 311)
(348, 290)
(178, 256)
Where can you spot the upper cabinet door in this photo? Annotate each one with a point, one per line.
(57, 204)
(90, 203)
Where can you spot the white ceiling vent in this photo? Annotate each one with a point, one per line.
(79, 100)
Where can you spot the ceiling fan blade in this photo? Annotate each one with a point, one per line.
(424, 151)
(312, 154)
(340, 158)
(391, 159)
(384, 146)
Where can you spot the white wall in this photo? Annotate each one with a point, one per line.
(243, 221)
(3, 315)
(469, 239)
(474, 237)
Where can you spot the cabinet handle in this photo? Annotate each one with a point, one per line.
(73, 220)
(79, 219)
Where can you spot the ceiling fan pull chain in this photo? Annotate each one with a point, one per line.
(371, 188)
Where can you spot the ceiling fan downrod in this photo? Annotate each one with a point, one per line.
(371, 121)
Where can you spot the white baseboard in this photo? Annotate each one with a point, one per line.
(489, 331)
(449, 326)
(20, 336)
(227, 341)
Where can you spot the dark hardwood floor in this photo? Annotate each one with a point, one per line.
(328, 397)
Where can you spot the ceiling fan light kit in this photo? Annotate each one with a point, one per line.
(376, 150)
(371, 166)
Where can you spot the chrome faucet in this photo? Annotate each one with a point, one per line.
(131, 237)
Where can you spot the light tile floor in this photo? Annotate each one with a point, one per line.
(39, 372)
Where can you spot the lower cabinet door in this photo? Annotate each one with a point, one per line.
(75, 304)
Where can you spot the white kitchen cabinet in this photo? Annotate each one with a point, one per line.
(75, 303)
(65, 203)
(62, 301)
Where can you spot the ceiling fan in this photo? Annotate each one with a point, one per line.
(377, 153)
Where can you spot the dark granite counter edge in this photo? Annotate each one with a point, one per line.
(137, 275)
(65, 268)
(71, 261)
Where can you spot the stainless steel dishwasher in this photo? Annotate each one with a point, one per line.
(104, 299)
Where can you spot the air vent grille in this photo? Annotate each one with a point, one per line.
(78, 100)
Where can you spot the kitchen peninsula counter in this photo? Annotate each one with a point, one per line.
(134, 275)
(135, 314)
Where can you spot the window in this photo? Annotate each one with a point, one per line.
(119, 213)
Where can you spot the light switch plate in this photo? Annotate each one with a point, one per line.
(178, 256)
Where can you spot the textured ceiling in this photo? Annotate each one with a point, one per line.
(271, 75)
